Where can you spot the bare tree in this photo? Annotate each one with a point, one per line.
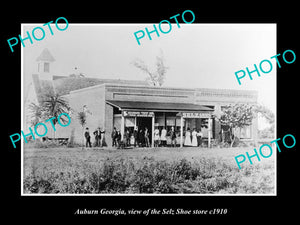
(157, 77)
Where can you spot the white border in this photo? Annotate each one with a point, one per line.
(99, 195)
(22, 114)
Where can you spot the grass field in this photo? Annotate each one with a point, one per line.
(145, 170)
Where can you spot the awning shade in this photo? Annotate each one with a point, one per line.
(157, 106)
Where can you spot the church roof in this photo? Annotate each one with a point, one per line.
(64, 85)
(45, 56)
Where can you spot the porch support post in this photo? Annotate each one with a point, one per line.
(122, 127)
(209, 132)
(181, 131)
(152, 133)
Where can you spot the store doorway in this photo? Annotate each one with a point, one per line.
(142, 123)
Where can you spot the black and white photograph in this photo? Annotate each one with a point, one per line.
(149, 111)
(141, 109)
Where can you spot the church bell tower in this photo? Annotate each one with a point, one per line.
(44, 63)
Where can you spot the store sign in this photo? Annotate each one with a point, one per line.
(194, 115)
(137, 114)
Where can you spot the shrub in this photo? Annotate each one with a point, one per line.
(38, 185)
(150, 176)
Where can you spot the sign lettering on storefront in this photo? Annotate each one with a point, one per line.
(194, 115)
(137, 114)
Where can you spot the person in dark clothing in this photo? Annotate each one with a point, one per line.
(87, 138)
(118, 138)
(114, 137)
(141, 138)
(98, 137)
(127, 138)
(102, 137)
(96, 143)
(173, 137)
(199, 137)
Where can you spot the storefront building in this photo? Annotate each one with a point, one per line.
(126, 106)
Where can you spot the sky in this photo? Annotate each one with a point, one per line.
(197, 55)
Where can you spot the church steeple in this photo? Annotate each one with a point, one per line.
(44, 62)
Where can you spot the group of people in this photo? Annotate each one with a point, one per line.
(141, 137)
(193, 138)
(160, 137)
(99, 138)
(116, 137)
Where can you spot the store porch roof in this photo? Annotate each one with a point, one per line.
(158, 106)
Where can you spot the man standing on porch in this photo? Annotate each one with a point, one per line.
(199, 137)
(173, 137)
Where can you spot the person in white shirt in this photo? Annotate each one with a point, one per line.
(187, 141)
(156, 137)
(163, 137)
(194, 138)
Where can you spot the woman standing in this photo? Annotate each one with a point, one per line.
(163, 137)
(156, 137)
(187, 141)
(194, 138)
